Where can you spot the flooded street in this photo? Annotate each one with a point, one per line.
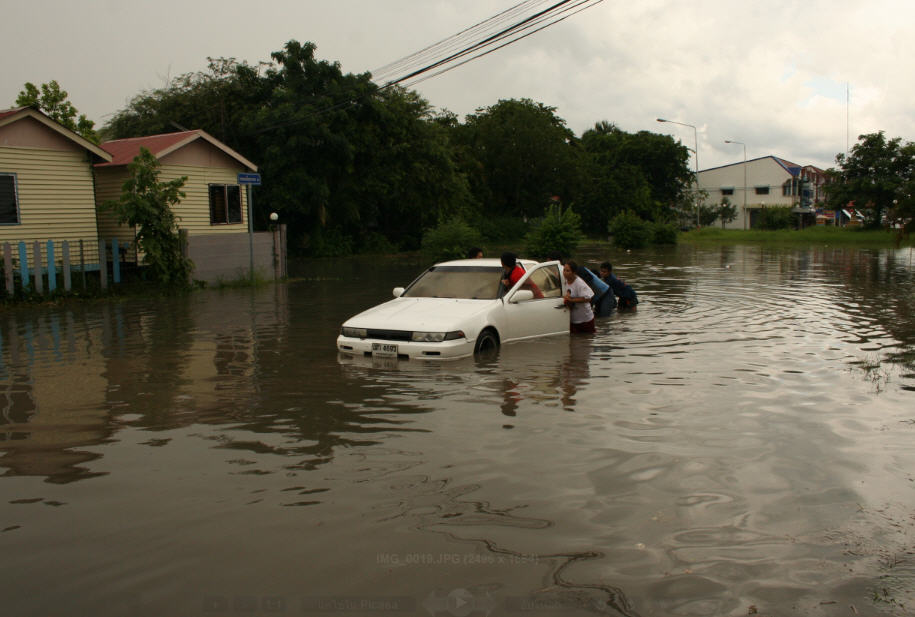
(740, 444)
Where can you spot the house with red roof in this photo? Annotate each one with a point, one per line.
(46, 183)
(213, 211)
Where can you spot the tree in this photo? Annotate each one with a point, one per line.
(558, 232)
(727, 211)
(644, 173)
(53, 101)
(522, 154)
(146, 204)
(343, 162)
(878, 176)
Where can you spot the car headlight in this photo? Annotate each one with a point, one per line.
(436, 337)
(355, 332)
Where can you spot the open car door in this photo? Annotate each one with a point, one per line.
(540, 311)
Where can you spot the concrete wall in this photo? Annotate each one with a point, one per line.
(226, 257)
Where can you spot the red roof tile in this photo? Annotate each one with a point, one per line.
(124, 151)
(9, 112)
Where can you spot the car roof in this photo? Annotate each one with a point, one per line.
(484, 262)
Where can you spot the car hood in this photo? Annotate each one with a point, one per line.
(421, 314)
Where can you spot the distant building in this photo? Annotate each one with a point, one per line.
(764, 182)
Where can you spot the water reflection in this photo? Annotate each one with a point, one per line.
(715, 450)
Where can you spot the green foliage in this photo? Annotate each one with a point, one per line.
(663, 233)
(520, 154)
(727, 212)
(335, 151)
(502, 228)
(326, 242)
(644, 173)
(772, 218)
(450, 240)
(146, 204)
(878, 175)
(53, 102)
(558, 232)
(707, 214)
(629, 230)
(375, 243)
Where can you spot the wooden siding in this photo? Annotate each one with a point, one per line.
(194, 210)
(108, 182)
(56, 199)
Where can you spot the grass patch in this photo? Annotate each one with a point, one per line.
(831, 236)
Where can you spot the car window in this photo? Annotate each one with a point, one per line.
(547, 281)
(479, 282)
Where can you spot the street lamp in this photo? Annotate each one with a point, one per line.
(745, 187)
(696, 152)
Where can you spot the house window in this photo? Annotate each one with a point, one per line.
(727, 191)
(9, 201)
(762, 190)
(225, 204)
(789, 188)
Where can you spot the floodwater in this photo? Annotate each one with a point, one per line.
(741, 444)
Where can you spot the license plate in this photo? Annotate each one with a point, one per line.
(384, 349)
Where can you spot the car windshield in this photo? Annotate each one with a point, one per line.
(478, 282)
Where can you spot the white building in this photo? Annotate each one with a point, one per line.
(765, 182)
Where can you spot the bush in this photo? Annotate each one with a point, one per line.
(329, 243)
(629, 231)
(450, 240)
(496, 229)
(558, 232)
(375, 243)
(774, 218)
(664, 233)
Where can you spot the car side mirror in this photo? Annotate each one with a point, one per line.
(522, 295)
(398, 291)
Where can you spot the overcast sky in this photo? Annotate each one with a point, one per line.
(771, 74)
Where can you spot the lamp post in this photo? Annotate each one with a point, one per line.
(696, 152)
(745, 187)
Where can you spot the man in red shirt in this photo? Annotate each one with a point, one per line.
(511, 271)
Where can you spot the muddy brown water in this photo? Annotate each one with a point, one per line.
(740, 444)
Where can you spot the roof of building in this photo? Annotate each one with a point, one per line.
(123, 151)
(9, 116)
(792, 168)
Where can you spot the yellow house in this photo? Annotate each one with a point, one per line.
(46, 183)
(214, 203)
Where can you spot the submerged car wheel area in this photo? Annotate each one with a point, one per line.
(487, 343)
(458, 308)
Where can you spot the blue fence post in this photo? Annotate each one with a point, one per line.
(52, 268)
(115, 261)
(24, 265)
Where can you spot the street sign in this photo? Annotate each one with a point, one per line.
(252, 179)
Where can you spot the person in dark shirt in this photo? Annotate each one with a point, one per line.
(625, 294)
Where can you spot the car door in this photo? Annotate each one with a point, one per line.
(542, 315)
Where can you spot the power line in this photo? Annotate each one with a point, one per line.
(493, 31)
(418, 58)
(518, 38)
(525, 23)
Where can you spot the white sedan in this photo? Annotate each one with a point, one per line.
(458, 308)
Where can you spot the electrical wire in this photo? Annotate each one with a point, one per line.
(495, 35)
(536, 18)
(588, 3)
